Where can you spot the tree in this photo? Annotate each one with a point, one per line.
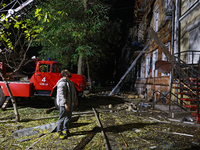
(74, 28)
(14, 48)
(15, 43)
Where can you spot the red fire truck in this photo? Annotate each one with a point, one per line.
(42, 82)
(46, 74)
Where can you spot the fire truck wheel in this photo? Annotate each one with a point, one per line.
(2, 97)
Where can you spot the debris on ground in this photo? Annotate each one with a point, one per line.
(128, 123)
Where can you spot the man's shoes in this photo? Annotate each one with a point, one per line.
(61, 136)
(66, 133)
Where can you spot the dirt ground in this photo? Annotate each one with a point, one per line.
(128, 123)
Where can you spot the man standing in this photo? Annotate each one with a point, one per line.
(66, 96)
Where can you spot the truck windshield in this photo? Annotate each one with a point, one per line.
(44, 68)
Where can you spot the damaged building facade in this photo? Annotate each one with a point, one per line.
(177, 25)
(157, 15)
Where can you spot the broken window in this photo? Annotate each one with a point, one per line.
(138, 69)
(155, 58)
(164, 58)
(147, 66)
(142, 69)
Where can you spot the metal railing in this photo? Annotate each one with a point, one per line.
(192, 57)
(186, 76)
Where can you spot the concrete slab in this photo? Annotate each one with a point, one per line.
(166, 108)
(34, 130)
(175, 111)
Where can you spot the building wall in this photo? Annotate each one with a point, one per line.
(145, 85)
(189, 36)
(185, 5)
(189, 20)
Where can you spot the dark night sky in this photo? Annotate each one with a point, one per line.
(120, 10)
(123, 10)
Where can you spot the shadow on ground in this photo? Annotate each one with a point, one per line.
(117, 128)
(85, 103)
(34, 102)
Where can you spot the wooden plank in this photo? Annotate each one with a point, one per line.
(129, 69)
(106, 142)
(160, 44)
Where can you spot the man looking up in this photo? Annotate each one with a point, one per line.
(66, 96)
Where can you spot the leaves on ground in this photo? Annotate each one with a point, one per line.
(136, 130)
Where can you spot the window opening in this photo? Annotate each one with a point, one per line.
(147, 66)
(44, 68)
(155, 58)
(156, 19)
(164, 58)
(194, 47)
(55, 68)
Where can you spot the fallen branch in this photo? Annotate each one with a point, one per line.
(152, 110)
(177, 133)
(17, 145)
(192, 123)
(91, 146)
(141, 139)
(26, 120)
(30, 147)
(175, 120)
(7, 117)
(107, 146)
(90, 112)
(50, 110)
(123, 140)
(159, 120)
(56, 116)
(8, 121)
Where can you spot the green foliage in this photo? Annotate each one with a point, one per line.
(15, 36)
(67, 30)
(8, 27)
